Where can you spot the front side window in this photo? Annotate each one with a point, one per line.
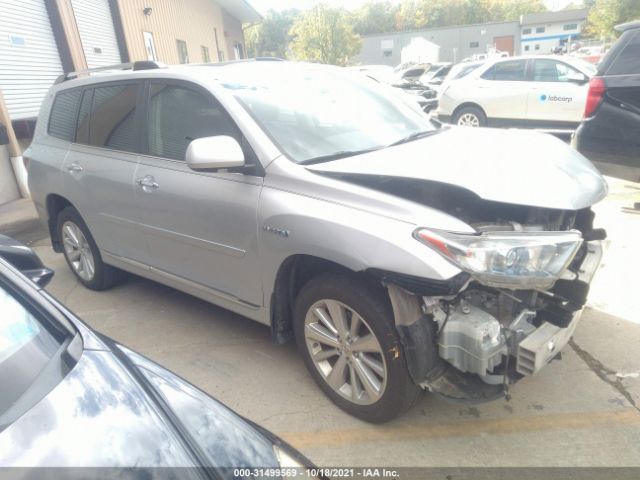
(314, 112)
(112, 123)
(62, 122)
(178, 115)
(183, 53)
(511, 71)
(552, 71)
(28, 345)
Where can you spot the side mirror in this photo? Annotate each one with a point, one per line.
(577, 77)
(25, 260)
(211, 153)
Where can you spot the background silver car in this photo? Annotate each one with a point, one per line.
(401, 255)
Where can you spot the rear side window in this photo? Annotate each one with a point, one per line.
(628, 61)
(62, 122)
(178, 115)
(112, 123)
(513, 71)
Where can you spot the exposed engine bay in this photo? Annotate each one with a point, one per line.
(485, 331)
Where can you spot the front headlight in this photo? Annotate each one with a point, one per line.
(507, 259)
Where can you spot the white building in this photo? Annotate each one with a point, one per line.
(540, 33)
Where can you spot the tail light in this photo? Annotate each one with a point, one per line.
(594, 97)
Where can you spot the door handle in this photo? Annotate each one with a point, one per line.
(74, 167)
(148, 182)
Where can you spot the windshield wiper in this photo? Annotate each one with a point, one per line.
(337, 156)
(414, 136)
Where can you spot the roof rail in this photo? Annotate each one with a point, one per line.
(139, 65)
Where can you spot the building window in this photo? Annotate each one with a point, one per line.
(387, 53)
(205, 54)
(238, 51)
(183, 54)
(150, 46)
(526, 31)
(537, 47)
(540, 29)
(570, 26)
(526, 48)
(474, 44)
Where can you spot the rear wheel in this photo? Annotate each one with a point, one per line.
(470, 117)
(347, 337)
(82, 254)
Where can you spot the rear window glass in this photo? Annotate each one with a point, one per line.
(628, 61)
(506, 71)
(112, 124)
(62, 123)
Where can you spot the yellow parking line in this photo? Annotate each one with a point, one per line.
(373, 433)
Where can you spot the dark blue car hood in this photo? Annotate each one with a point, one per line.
(118, 409)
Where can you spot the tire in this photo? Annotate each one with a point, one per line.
(470, 117)
(82, 254)
(352, 295)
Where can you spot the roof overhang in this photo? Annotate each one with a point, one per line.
(240, 9)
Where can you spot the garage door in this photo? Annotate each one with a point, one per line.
(98, 37)
(29, 59)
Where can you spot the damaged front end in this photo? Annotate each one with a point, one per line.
(507, 315)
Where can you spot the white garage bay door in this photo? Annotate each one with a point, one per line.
(97, 34)
(29, 59)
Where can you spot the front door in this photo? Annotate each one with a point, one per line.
(199, 226)
(555, 96)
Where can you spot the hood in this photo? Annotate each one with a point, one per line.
(509, 166)
(103, 414)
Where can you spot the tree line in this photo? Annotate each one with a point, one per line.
(332, 35)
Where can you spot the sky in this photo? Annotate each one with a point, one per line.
(263, 5)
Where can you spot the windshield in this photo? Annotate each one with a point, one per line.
(314, 112)
(27, 347)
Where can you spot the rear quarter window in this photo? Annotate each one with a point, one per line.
(62, 122)
(625, 60)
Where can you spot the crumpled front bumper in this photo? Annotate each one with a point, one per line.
(542, 345)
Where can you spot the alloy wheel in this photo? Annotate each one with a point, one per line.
(345, 351)
(469, 120)
(78, 251)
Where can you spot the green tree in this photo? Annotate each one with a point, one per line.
(606, 14)
(270, 38)
(374, 17)
(324, 35)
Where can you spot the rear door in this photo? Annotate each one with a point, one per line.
(555, 94)
(502, 90)
(200, 226)
(100, 165)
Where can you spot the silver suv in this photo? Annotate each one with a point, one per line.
(402, 255)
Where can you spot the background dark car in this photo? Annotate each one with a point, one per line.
(71, 397)
(609, 135)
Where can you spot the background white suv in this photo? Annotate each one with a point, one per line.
(538, 92)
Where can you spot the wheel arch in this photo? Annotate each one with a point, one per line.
(55, 203)
(465, 105)
(293, 274)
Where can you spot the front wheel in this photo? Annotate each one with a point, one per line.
(470, 117)
(345, 331)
